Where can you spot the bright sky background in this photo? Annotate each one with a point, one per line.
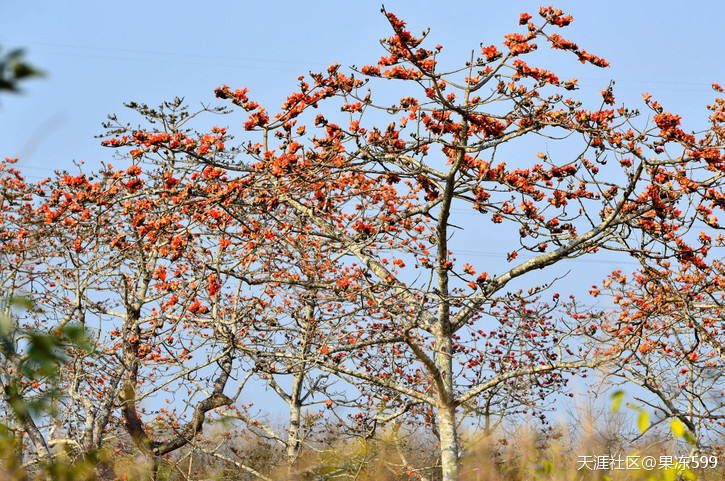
(99, 54)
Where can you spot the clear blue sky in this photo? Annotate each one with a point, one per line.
(101, 54)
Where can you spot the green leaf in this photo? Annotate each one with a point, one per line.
(643, 421)
(22, 70)
(617, 400)
(21, 301)
(79, 336)
(678, 429)
(689, 438)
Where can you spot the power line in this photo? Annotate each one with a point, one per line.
(186, 54)
(276, 63)
(108, 53)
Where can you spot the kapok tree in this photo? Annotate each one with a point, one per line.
(679, 353)
(126, 252)
(17, 261)
(382, 185)
(674, 302)
(244, 292)
(49, 264)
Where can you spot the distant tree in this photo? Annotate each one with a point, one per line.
(679, 356)
(38, 344)
(244, 286)
(674, 303)
(111, 252)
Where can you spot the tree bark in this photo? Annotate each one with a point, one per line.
(294, 441)
(446, 406)
(295, 414)
(448, 441)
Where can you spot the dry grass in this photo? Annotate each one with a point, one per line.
(521, 452)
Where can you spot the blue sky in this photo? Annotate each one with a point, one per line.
(100, 54)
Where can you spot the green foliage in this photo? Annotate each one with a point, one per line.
(39, 355)
(14, 68)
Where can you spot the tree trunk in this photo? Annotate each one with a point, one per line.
(294, 440)
(448, 441)
(446, 392)
(446, 404)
